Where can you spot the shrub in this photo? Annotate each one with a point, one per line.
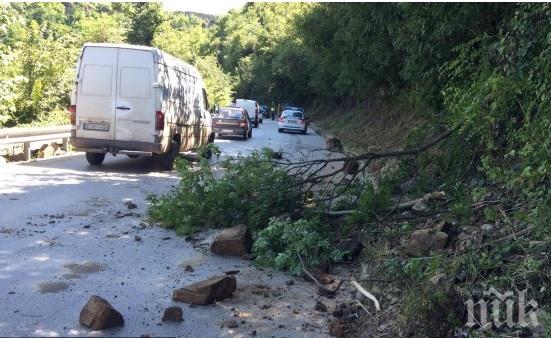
(248, 191)
(278, 244)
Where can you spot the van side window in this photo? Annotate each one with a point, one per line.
(135, 83)
(96, 80)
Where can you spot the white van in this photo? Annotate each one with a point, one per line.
(252, 109)
(137, 100)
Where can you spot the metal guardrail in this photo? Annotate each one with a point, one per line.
(29, 135)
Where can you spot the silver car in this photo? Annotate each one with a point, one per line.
(292, 120)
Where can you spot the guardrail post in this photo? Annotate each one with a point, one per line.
(27, 151)
(66, 144)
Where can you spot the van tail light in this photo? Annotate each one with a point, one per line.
(73, 111)
(280, 119)
(159, 120)
(242, 124)
(301, 121)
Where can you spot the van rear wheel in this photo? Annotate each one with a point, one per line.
(166, 160)
(95, 158)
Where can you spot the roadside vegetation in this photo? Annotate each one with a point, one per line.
(478, 70)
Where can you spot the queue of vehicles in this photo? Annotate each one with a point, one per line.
(140, 101)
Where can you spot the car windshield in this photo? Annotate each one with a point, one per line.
(230, 113)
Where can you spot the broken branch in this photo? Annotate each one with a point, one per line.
(366, 293)
(405, 205)
(327, 290)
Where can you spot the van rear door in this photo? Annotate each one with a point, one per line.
(135, 97)
(95, 98)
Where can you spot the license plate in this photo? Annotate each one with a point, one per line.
(291, 121)
(227, 130)
(95, 126)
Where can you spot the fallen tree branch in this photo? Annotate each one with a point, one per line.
(393, 153)
(322, 287)
(405, 205)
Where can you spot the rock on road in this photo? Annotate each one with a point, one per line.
(66, 234)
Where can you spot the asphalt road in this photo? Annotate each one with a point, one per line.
(66, 234)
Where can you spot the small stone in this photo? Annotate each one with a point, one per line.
(336, 327)
(487, 227)
(420, 207)
(337, 313)
(438, 279)
(289, 282)
(189, 268)
(461, 276)
(230, 324)
(86, 227)
(278, 155)
(423, 241)
(137, 238)
(321, 307)
(173, 314)
(130, 204)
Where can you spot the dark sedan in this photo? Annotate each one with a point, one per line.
(232, 121)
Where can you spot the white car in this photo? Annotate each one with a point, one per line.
(292, 120)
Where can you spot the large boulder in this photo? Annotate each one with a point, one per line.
(98, 314)
(234, 241)
(423, 241)
(207, 291)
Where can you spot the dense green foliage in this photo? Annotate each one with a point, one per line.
(244, 191)
(280, 243)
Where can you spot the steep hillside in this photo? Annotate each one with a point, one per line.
(368, 125)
